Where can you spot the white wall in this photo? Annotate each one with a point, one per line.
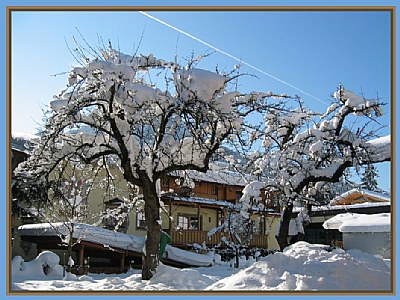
(370, 242)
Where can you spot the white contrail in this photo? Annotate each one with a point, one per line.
(231, 56)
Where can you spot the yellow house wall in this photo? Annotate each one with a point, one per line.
(209, 218)
(272, 222)
(208, 215)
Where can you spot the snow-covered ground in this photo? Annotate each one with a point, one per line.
(301, 266)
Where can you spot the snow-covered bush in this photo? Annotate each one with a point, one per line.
(45, 265)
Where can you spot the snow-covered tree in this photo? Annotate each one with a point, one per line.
(369, 178)
(238, 223)
(305, 150)
(175, 120)
(67, 200)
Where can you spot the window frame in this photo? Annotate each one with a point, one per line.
(184, 222)
(140, 222)
(214, 190)
(165, 182)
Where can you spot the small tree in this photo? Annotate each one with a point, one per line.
(238, 224)
(369, 178)
(67, 201)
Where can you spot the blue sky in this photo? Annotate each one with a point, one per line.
(311, 51)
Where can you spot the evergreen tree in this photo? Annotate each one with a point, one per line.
(369, 178)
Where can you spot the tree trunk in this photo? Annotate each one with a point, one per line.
(152, 216)
(282, 237)
(70, 245)
(236, 257)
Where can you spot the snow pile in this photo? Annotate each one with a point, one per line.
(303, 266)
(180, 279)
(44, 266)
(200, 83)
(351, 222)
(380, 147)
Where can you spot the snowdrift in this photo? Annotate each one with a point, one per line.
(304, 266)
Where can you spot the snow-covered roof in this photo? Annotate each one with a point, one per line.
(23, 142)
(351, 222)
(382, 196)
(221, 176)
(346, 207)
(86, 232)
(221, 203)
(200, 200)
(113, 239)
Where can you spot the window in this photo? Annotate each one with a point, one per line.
(140, 220)
(316, 234)
(165, 182)
(188, 222)
(239, 195)
(115, 215)
(214, 190)
(220, 217)
(262, 225)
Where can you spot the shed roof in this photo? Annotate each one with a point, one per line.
(367, 195)
(351, 222)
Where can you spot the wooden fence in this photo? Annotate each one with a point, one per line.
(184, 237)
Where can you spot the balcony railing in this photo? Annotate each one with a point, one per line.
(185, 237)
(99, 270)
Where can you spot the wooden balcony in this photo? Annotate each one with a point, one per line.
(182, 238)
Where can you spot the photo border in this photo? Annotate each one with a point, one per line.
(11, 9)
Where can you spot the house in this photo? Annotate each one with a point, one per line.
(193, 203)
(188, 214)
(21, 146)
(354, 201)
(369, 233)
(196, 209)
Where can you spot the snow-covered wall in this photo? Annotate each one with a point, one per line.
(368, 233)
(370, 242)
